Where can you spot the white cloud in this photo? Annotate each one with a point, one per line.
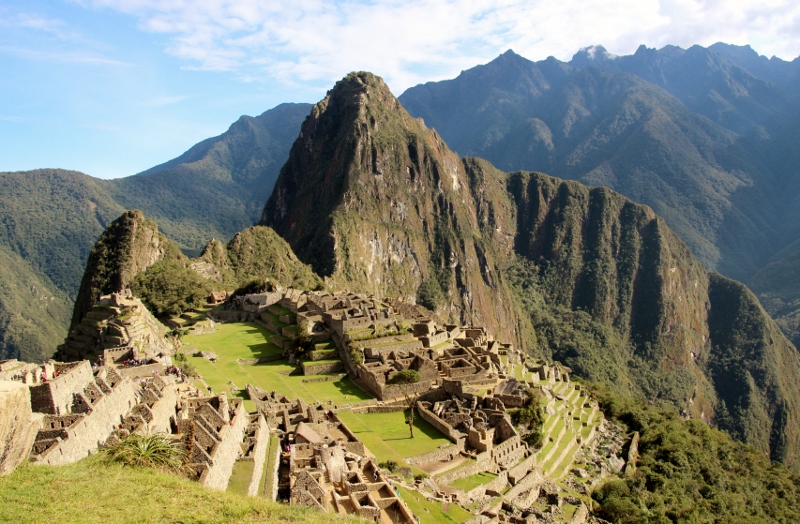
(306, 42)
(72, 57)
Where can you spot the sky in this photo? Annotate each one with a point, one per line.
(114, 87)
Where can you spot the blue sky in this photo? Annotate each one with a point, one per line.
(113, 87)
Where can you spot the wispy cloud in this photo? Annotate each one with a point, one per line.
(302, 41)
(6, 118)
(73, 57)
(164, 101)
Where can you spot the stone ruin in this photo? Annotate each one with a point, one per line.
(118, 324)
(323, 465)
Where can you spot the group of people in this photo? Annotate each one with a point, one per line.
(131, 362)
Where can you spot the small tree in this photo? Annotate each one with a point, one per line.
(405, 379)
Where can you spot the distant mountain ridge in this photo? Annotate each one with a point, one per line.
(375, 201)
(704, 136)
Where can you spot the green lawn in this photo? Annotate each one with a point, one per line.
(241, 476)
(473, 481)
(387, 436)
(431, 512)
(269, 479)
(247, 341)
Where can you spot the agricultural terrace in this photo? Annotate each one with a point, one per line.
(387, 436)
(235, 342)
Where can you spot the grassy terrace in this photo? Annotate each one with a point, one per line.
(473, 481)
(240, 478)
(274, 319)
(235, 341)
(430, 512)
(387, 436)
(269, 479)
(281, 309)
(92, 491)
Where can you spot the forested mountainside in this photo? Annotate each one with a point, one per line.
(51, 218)
(376, 202)
(704, 136)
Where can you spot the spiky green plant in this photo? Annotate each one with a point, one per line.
(154, 451)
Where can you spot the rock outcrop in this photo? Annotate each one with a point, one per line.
(127, 247)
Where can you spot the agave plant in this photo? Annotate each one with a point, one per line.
(156, 451)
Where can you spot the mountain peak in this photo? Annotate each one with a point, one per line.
(592, 53)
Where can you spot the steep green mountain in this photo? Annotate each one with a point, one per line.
(33, 313)
(132, 253)
(615, 130)
(129, 246)
(706, 137)
(375, 201)
(51, 218)
(219, 186)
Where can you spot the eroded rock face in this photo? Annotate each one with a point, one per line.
(126, 248)
(18, 425)
(377, 203)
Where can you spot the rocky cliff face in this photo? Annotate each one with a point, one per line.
(376, 202)
(126, 248)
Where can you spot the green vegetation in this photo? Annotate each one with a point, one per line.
(386, 436)
(152, 451)
(241, 476)
(531, 416)
(473, 481)
(34, 314)
(688, 472)
(247, 341)
(94, 491)
(169, 287)
(430, 512)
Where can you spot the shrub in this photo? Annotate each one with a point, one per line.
(154, 451)
(389, 465)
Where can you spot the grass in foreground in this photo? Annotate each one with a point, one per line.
(94, 491)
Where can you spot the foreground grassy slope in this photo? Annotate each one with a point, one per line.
(94, 491)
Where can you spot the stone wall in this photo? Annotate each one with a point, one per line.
(275, 473)
(445, 453)
(259, 454)
(18, 425)
(145, 371)
(55, 396)
(534, 478)
(220, 315)
(439, 424)
(483, 462)
(226, 452)
(86, 435)
(492, 488)
(322, 367)
(164, 409)
(633, 455)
